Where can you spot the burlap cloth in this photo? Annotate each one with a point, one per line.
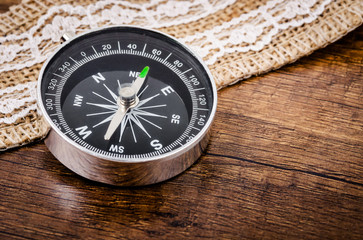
(237, 39)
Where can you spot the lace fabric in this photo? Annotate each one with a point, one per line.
(247, 32)
(35, 45)
(236, 39)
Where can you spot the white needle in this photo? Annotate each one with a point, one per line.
(125, 101)
(116, 120)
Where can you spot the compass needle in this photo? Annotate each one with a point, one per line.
(139, 81)
(115, 122)
(126, 105)
(126, 100)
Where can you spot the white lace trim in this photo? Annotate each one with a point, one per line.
(21, 96)
(155, 14)
(250, 31)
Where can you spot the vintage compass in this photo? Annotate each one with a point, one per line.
(127, 105)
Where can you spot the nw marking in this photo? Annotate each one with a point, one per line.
(78, 100)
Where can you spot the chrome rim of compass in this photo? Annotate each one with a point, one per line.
(168, 155)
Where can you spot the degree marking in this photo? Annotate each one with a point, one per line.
(113, 108)
(73, 60)
(94, 49)
(186, 71)
(167, 57)
(197, 89)
(68, 131)
(58, 75)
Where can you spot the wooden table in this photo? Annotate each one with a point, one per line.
(285, 161)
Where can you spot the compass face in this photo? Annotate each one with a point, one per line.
(126, 93)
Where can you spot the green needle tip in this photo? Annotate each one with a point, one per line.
(144, 72)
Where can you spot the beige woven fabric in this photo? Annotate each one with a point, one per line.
(287, 45)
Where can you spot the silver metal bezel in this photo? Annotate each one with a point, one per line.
(169, 155)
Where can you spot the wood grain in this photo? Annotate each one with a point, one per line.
(285, 161)
(5, 4)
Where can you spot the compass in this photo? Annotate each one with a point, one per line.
(126, 105)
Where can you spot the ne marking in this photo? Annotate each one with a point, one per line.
(119, 48)
(144, 48)
(51, 94)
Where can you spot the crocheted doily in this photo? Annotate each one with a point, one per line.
(237, 39)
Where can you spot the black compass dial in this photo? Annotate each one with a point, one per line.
(126, 93)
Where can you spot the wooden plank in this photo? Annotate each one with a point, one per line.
(218, 197)
(5, 4)
(307, 116)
